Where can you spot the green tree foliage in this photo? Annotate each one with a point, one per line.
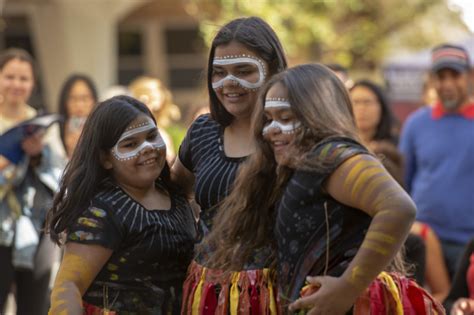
(354, 33)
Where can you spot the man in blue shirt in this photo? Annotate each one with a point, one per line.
(438, 145)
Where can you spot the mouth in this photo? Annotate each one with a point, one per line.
(279, 146)
(149, 161)
(233, 97)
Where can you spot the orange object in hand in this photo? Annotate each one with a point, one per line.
(309, 289)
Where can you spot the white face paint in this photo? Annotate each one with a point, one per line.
(127, 148)
(250, 81)
(283, 128)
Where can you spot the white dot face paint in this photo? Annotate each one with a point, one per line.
(285, 128)
(136, 139)
(249, 71)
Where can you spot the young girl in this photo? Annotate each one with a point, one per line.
(130, 235)
(245, 53)
(339, 214)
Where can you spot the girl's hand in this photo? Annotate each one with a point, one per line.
(463, 306)
(33, 145)
(334, 297)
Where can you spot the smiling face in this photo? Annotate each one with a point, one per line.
(16, 81)
(281, 123)
(139, 156)
(237, 75)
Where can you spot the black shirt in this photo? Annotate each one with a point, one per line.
(301, 226)
(151, 251)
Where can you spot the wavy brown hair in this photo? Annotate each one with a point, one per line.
(321, 103)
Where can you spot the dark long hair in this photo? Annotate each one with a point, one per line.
(321, 102)
(84, 175)
(384, 129)
(64, 96)
(255, 34)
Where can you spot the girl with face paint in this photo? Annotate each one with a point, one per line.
(339, 217)
(129, 233)
(244, 55)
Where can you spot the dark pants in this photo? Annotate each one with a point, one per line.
(32, 286)
(452, 254)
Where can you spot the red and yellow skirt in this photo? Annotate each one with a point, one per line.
(210, 291)
(392, 294)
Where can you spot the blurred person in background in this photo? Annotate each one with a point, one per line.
(438, 146)
(159, 100)
(461, 297)
(77, 98)
(26, 191)
(374, 120)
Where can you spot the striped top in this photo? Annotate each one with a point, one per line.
(202, 153)
(151, 251)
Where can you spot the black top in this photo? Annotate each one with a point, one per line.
(301, 223)
(460, 287)
(202, 152)
(151, 252)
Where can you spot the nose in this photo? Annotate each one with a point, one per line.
(271, 130)
(147, 148)
(230, 82)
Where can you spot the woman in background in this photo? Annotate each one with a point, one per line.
(77, 98)
(26, 191)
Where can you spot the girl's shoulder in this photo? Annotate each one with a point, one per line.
(333, 151)
(204, 123)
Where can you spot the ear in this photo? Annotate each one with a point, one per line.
(105, 160)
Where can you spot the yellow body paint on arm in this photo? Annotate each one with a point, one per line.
(79, 267)
(363, 183)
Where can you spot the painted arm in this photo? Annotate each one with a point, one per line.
(363, 183)
(79, 267)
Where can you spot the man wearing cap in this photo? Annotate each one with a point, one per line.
(438, 145)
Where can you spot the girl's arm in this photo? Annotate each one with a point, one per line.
(185, 179)
(437, 276)
(79, 267)
(363, 183)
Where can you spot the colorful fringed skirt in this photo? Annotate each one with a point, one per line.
(210, 291)
(392, 294)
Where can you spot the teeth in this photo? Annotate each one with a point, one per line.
(147, 162)
(233, 94)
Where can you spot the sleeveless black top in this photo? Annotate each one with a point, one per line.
(301, 227)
